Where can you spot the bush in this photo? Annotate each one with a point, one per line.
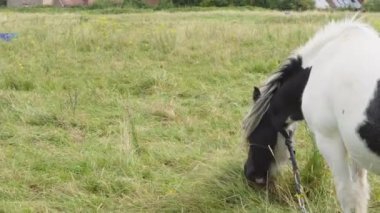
(117, 3)
(240, 2)
(186, 2)
(260, 3)
(372, 5)
(3, 3)
(272, 4)
(218, 3)
(285, 4)
(305, 4)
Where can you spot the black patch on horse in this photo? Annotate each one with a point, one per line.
(285, 103)
(369, 130)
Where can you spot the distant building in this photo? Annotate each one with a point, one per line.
(59, 3)
(325, 4)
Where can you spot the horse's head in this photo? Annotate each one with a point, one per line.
(276, 106)
(267, 149)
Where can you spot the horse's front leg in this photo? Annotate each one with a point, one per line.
(360, 187)
(335, 153)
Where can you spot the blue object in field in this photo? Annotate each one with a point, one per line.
(7, 36)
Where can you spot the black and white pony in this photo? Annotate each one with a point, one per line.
(333, 83)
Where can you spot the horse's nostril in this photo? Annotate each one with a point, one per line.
(250, 175)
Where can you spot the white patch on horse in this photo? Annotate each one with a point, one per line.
(260, 180)
(281, 153)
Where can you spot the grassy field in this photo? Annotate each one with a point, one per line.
(141, 112)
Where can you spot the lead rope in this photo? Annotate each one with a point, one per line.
(296, 173)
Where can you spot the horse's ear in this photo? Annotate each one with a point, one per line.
(256, 93)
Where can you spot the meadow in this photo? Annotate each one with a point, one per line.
(142, 111)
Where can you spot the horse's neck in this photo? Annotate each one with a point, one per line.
(287, 100)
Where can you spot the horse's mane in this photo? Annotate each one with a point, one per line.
(267, 91)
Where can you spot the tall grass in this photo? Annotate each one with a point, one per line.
(142, 112)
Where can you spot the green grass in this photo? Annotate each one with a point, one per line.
(142, 111)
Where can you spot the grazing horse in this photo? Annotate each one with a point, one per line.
(333, 83)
